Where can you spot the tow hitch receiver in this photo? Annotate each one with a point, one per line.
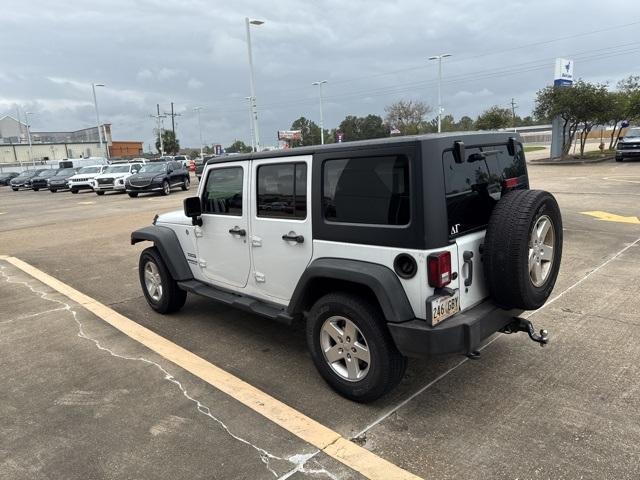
(522, 325)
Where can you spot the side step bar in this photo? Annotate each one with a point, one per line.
(248, 304)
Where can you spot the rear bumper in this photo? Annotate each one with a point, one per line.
(462, 333)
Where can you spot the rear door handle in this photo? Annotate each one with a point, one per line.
(292, 237)
(467, 256)
(238, 231)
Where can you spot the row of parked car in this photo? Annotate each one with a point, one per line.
(134, 178)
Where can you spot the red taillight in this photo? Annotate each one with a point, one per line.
(439, 268)
(510, 182)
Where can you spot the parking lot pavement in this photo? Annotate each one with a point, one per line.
(564, 411)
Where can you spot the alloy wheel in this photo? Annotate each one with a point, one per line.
(152, 281)
(541, 244)
(345, 348)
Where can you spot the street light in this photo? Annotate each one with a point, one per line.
(198, 109)
(439, 58)
(253, 140)
(319, 84)
(26, 117)
(254, 111)
(95, 104)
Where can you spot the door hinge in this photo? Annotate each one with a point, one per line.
(260, 277)
(256, 241)
(197, 231)
(202, 263)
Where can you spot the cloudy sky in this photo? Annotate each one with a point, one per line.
(193, 52)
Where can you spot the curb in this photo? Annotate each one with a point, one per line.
(570, 162)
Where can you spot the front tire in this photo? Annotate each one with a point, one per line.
(53, 190)
(99, 193)
(15, 189)
(133, 194)
(352, 348)
(74, 191)
(159, 288)
(166, 188)
(186, 184)
(36, 189)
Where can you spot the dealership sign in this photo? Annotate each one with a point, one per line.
(289, 134)
(564, 72)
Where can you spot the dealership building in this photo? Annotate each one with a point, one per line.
(15, 148)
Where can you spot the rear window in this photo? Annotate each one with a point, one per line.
(367, 190)
(474, 187)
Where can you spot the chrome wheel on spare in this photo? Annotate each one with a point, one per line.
(152, 281)
(345, 349)
(541, 244)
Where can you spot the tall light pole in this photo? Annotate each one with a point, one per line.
(95, 104)
(319, 84)
(254, 111)
(26, 117)
(439, 58)
(253, 140)
(198, 109)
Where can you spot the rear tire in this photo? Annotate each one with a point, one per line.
(341, 357)
(523, 249)
(159, 288)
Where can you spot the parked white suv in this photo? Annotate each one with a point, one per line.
(387, 249)
(114, 176)
(83, 180)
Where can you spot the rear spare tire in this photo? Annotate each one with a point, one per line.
(523, 249)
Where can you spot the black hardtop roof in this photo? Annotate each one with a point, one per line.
(442, 139)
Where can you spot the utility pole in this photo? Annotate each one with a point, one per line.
(159, 118)
(197, 109)
(319, 84)
(95, 104)
(440, 109)
(26, 117)
(173, 116)
(513, 111)
(253, 138)
(252, 82)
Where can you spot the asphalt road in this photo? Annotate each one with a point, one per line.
(82, 400)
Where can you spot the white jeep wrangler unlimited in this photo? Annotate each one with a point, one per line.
(388, 249)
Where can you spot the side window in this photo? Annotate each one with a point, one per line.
(135, 168)
(368, 190)
(223, 192)
(282, 190)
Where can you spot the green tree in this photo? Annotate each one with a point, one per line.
(362, 128)
(407, 116)
(169, 142)
(494, 118)
(238, 147)
(310, 132)
(465, 124)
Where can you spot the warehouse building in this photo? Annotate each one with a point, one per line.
(52, 145)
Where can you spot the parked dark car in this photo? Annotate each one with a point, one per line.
(6, 177)
(40, 180)
(200, 163)
(21, 180)
(158, 177)
(60, 181)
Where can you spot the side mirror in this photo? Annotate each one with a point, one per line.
(458, 151)
(193, 209)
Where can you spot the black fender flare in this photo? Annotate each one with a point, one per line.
(382, 281)
(167, 243)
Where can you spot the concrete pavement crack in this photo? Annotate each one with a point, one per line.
(299, 460)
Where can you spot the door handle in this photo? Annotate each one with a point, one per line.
(292, 237)
(238, 231)
(467, 256)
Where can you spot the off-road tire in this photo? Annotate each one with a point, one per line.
(387, 365)
(173, 298)
(507, 248)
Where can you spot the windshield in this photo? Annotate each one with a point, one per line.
(89, 170)
(153, 167)
(633, 132)
(66, 171)
(117, 169)
(48, 173)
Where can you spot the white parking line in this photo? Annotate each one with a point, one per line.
(392, 410)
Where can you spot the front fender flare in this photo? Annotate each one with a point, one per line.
(382, 281)
(167, 243)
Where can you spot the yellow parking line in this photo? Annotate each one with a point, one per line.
(330, 442)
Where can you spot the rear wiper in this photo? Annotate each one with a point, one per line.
(478, 157)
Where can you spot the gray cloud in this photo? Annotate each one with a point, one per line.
(193, 52)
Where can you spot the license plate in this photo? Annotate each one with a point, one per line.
(442, 307)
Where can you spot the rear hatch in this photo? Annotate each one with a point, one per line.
(472, 188)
